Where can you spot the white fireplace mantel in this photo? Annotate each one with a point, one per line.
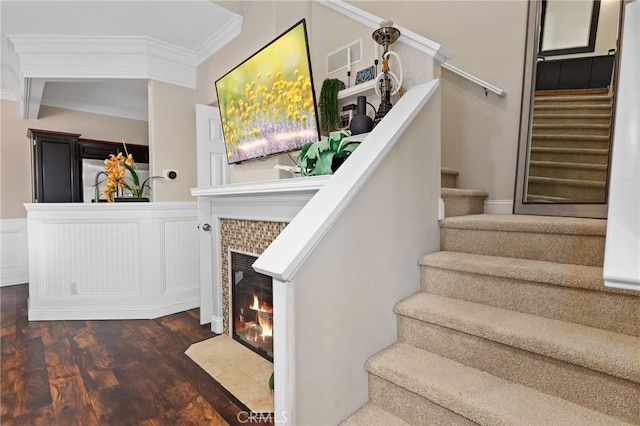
(271, 201)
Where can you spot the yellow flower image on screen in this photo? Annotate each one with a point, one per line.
(267, 103)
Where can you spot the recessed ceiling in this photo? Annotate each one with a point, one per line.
(186, 24)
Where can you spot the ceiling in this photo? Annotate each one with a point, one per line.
(186, 25)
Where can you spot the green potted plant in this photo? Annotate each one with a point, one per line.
(325, 156)
(328, 104)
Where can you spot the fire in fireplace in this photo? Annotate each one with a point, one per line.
(252, 306)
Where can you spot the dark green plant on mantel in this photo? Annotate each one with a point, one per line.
(328, 104)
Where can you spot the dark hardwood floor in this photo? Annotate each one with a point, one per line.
(126, 372)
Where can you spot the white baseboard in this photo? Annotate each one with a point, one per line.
(216, 325)
(498, 206)
(110, 312)
(14, 255)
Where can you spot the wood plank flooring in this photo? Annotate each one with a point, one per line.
(127, 372)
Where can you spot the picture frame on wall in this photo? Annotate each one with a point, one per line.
(365, 75)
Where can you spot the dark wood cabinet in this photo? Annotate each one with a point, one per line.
(57, 163)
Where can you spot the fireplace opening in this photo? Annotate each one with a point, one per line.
(252, 306)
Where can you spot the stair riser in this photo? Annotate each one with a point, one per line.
(563, 248)
(461, 206)
(575, 143)
(570, 157)
(610, 395)
(448, 181)
(571, 130)
(573, 192)
(568, 173)
(582, 102)
(559, 119)
(410, 407)
(615, 312)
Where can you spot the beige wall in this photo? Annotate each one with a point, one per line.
(172, 140)
(486, 38)
(15, 162)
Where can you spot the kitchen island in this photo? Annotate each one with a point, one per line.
(112, 260)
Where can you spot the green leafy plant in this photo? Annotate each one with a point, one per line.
(328, 104)
(326, 155)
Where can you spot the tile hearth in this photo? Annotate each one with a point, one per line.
(239, 370)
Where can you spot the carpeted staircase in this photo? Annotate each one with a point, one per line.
(570, 148)
(512, 326)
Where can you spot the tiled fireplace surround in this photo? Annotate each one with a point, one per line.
(243, 236)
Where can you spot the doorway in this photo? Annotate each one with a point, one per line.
(567, 113)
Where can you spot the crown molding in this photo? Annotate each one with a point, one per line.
(104, 57)
(228, 32)
(95, 109)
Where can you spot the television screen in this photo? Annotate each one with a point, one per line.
(267, 103)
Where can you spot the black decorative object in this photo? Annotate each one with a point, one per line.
(131, 200)
(361, 123)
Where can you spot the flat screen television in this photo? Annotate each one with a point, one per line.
(267, 103)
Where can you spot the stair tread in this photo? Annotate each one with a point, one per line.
(371, 414)
(475, 394)
(572, 98)
(527, 223)
(570, 150)
(566, 182)
(596, 138)
(541, 271)
(571, 115)
(567, 165)
(600, 350)
(448, 171)
(463, 192)
(570, 126)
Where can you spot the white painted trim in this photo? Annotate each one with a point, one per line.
(213, 44)
(14, 265)
(217, 324)
(622, 249)
(498, 206)
(287, 253)
(48, 57)
(95, 109)
(107, 207)
(112, 312)
(272, 187)
(488, 86)
(8, 95)
(33, 90)
(410, 38)
(284, 365)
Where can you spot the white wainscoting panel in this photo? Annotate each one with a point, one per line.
(97, 258)
(181, 260)
(14, 261)
(112, 261)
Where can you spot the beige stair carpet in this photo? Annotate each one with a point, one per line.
(513, 326)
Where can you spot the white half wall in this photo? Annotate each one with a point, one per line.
(14, 259)
(344, 292)
(112, 261)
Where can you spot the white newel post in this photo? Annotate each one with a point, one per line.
(283, 350)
